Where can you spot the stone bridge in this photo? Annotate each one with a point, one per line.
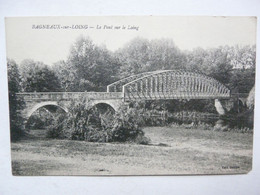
(35, 101)
(156, 85)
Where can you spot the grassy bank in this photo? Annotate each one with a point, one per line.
(173, 150)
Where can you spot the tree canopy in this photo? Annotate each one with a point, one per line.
(90, 67)
(142, 55)
(38, 77)
(15, 104)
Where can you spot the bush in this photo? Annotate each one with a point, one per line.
(84, 122)
(199, 125)
(126, 125)
(239, 120)
(220, 126)
(40, 119)
(55, 130)
(77, 123)
(141, 139)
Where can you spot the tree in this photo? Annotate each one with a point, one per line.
(242, 57)
(243, 73)
(89, 67)
(164, 54)
(242, 80)
(221, 71)
(38, 77)
(233, 66)
(66, 75)
(212, 62)
(15, 104)
(142, 55)
(133, 57)
(195, 60)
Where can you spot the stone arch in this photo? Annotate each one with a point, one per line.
(115, 104)
(106, 110)
(43, 104)
(106, 106)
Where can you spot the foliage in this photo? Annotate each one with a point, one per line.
(233, 66)
(55, 130)
(127, 123)
(238, 120)
(242, 80)
(221, 125)
(212, 62)
(91, 67)
(242, 57)
(192, 125)
(193, 117)
(142, 55)
(66, 75)
(84, 122)
(80, 121)
(164, 112)
(15, 104)
(88, 67)
(38, 77)
(42, 118)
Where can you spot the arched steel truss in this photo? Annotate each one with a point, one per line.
(118, 85)
(170, 84)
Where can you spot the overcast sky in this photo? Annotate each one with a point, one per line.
(52, 45)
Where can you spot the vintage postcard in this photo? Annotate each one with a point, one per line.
(131, 95)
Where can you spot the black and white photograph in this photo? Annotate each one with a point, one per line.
(131, 95)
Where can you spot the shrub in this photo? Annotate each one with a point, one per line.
(40, 119)
(126, 125)
(220, 126)
(239, 120)
(141, 139)
(55, 130)
(242, 130)
(84, 122)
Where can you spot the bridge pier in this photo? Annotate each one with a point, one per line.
(220, 109)
(222, 106)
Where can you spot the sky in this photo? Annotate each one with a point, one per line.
(25, 38)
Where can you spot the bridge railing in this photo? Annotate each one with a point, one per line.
(68, 95)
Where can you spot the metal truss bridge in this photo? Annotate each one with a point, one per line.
(156, 85)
